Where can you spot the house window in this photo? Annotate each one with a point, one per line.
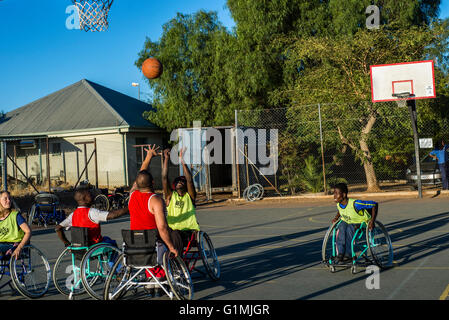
(56, 149)
(139, 155)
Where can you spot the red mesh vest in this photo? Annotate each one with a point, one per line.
(80, 218)
(140, 216)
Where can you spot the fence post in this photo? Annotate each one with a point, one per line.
(322, 149)
(237, 164)
(4, 166)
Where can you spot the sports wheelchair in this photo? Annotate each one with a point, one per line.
(198, 247)
(82, 267)
(135, 270)
(368, 247)
(45, 210)
(30, 273)
(105, 201)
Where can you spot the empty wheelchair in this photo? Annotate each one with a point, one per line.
(82, 268)
(30, 273)
(135, 270)
(45, 210)
(199, 247)
(368, 247)
(106, 202)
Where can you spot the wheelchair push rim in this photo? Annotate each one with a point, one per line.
(360, 248)
(67, 274)
(178, 277)
(101, 202)
(115, 287)
(96, 265)
(209, 256)
(31, 273)
(380, 245)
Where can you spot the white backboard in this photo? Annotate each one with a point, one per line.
(417, 78)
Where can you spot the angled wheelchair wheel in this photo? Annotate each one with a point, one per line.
(380, 245)
(101, 202)
(116, 285)
(33, 217)
(178, 277)
(329, 246)
(96, 265)
(253, 192)
(208, 256)
(67, 274)
(30, 273)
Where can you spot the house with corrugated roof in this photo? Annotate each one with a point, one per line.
(55, 137)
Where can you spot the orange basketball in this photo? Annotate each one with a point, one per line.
(152, 68)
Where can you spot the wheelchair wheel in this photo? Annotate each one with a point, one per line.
(30, 273)
(96, 265)
(118, 200)
(33, 218)
(329, 247)
(115, 286)
(380, 245)
(208, 256)
(253, 192)
(67, 274)
(178, 277)
(101, 202)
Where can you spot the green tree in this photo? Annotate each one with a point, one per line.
(337, 70)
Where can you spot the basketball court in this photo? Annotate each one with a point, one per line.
(272, 251)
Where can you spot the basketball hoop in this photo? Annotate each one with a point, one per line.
(93, 14)
(402, 98)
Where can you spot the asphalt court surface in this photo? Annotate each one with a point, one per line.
(272, 251)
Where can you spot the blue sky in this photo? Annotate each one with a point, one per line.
(39, 55)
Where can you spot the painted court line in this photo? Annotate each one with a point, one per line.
(409, 277)
(445, 293)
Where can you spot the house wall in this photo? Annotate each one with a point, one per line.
(67, 161)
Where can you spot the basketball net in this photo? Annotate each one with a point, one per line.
(93, 14)
(402, 98)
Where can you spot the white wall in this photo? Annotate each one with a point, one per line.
(69, 163)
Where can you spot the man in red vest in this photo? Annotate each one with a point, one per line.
(87, 217)
(147, 210)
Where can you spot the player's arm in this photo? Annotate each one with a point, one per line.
(59, 229)
(165, 183)
(151, 151)
(117, 213)
(26, 238)
(157, 208)
(190, 186)
(336, 217)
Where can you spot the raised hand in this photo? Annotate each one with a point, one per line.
(152, 150)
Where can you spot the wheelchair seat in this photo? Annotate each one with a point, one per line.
(79, 241)
(138, 268)
(140, 247)
(45, 210)
(46, 201)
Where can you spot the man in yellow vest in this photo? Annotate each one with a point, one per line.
(352, 213)
(180, 199)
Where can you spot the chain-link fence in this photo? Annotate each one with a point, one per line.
(368, 146)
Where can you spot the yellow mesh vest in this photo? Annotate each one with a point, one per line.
(9, 230)
(181, 213)
(351, 216)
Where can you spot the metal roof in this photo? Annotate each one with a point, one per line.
(84, 105)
